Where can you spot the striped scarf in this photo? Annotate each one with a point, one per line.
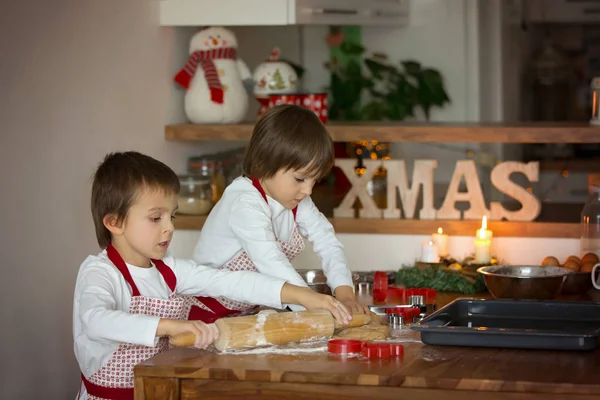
(205, 57)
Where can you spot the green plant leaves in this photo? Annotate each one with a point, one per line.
(395, 93)
(351, 48)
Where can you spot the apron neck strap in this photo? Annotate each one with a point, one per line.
(117, 260)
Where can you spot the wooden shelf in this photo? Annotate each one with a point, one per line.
(574, 165)
(416, 227)
(418, 133)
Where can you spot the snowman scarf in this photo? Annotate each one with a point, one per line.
(205, 57)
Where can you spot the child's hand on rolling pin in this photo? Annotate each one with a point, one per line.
(205, 334)
(345, 294)
(312, 300)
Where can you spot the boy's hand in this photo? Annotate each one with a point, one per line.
(345, 294)
(205, 333)
(354, 307)
(312, 300)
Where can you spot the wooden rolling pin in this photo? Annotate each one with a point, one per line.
(273, 328)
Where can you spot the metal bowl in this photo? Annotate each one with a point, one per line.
(524, 281)
(578, 283)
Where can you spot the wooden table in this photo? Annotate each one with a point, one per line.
(424, 372)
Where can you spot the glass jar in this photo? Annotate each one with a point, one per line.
(205, 168)
(195, 196)
(590, 223)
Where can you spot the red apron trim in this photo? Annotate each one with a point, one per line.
(166, 272)
(260, 189)
(106, 392)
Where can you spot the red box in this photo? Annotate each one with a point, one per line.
(317, 102)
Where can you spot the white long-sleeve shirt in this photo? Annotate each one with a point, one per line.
(101, 319)
(243, 221)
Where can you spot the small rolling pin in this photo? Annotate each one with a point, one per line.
(273, 329)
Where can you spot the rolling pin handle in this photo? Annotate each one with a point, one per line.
(183, 339)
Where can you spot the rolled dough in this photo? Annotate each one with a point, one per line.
(366, 332)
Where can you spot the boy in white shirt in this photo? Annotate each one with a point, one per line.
(130, 298)
(259, 222)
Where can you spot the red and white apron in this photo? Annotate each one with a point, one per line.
(114, 380)
(208, 309)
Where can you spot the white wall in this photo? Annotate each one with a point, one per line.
(389, 252)
(78, 79)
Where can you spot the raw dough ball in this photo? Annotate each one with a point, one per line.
(572, 265)
(550, 261)
(589, 258)
(366, 332)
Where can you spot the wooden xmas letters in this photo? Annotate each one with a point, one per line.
(422, 178)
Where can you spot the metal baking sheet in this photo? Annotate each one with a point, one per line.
(527, 324)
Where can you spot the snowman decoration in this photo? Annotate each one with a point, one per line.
(214, 79)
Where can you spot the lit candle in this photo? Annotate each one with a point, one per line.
(428, 253)
(483, 243)
(440, 240)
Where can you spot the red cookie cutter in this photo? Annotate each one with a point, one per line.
(382, 350)
(376, 350)
(344, 346)
(396, 349)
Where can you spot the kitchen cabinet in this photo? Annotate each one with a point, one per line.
(566, 11)
(392, 13)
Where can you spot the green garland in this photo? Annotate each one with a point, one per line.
(436, 278)
(449, 275)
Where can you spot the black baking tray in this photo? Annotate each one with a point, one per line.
(525, 324)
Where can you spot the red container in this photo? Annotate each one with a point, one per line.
(380, 286)
(317, 102)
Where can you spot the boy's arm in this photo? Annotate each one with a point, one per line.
(252, 287)
(96, 292)
(198, 280)
(319, 231)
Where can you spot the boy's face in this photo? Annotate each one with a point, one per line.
(148, 228)
(289, 187)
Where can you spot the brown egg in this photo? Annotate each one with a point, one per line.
(550, 261)
(587, 266)
(572, 265)
(590, 257)
(574, 258)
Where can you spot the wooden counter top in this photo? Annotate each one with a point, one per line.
(424, 372)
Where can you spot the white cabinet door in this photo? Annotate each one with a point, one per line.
(224, 12)
(283, 12)
(586, 11)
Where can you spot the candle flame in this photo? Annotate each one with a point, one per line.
(482, 234)
(484, 223)
(440, 231)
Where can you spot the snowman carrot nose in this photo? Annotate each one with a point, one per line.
(215, 41)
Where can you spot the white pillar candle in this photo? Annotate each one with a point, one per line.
(428, 253)
(483, 243)
(440, 240)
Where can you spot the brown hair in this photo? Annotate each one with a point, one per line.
(117, 182)
(288, 137)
